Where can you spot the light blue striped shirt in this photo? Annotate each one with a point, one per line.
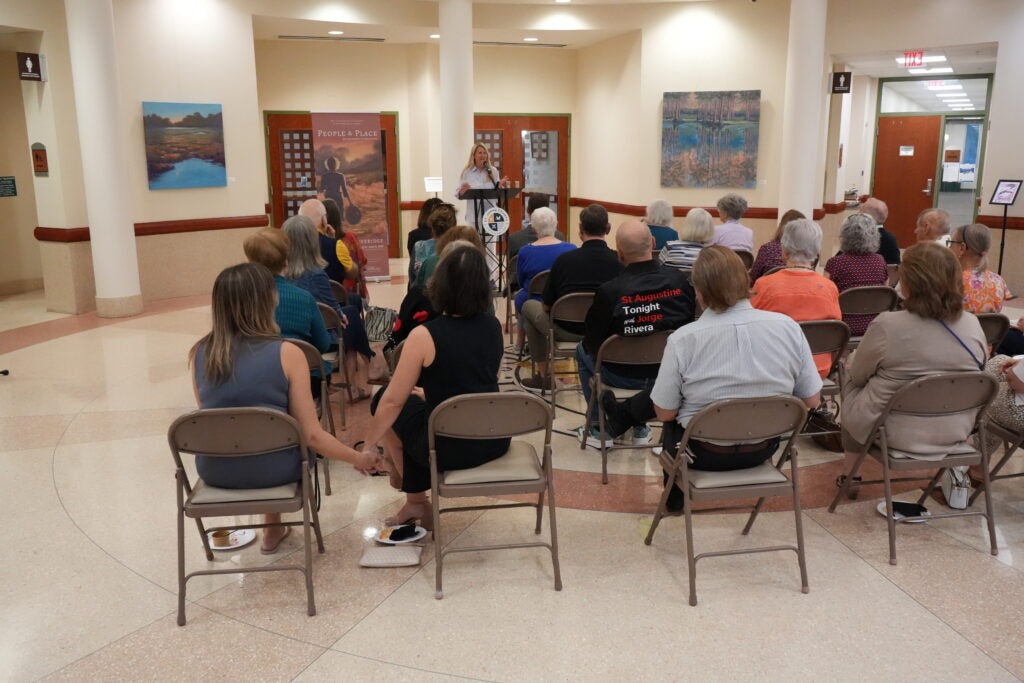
(739, 353)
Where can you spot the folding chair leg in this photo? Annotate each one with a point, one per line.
(587, 424)
(847, 482)
(307, 543)
(205, 539)
(438, 555)
(889, 519)
(554, 533)
(660, 512)
(181, 566)
(753, 516)
(316, 522)
(691, 561)
(931, 486)
(604, 444)
(540, 511)
(801, 555)
(988, 504)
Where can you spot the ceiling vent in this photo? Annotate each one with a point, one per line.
(339, 39)
(498, 43)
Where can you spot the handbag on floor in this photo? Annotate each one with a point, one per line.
(379, 322)
(956, 487)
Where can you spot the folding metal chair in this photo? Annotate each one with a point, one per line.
(867, 301)
(232, 433)
(621, 351)
(571, 308)
(743, 420)
(510, 292)
(995, 327)
(339, 291)
(938, 396)
(1012, 441)
(894, 274)
(831, 337)
(519, 471)
(332, 321)
(323, 405)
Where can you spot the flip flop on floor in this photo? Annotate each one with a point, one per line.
(270, 550)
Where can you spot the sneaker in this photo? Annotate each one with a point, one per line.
(641, 435)
(594, 438)
(541, 382)
(615, 419)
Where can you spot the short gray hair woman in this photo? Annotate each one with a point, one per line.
(732, 206)
(801, 242)
(544, 221)
(659, 212)
(304, 252)
(698, 227)
(859, 235)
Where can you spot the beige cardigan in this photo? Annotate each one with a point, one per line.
(897, 348)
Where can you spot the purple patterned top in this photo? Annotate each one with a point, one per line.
(768, 256)
(857, 270)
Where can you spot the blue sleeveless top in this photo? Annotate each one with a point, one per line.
(257, 380)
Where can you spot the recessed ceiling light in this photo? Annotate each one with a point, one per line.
(563, 2)
(530, 40)
(949, 94)
(933, 70)
(435, 35)
(335, 33)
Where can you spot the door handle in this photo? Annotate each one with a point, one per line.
(928, 190)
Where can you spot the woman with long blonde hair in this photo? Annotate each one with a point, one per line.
(243, 362)
(480, 174)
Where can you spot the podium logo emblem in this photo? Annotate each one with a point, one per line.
(496, 221)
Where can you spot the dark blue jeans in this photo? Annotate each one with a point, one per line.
(586, 364)
(354, 333)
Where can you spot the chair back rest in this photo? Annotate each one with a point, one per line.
(513, 264)
(340, 293)
(538, 282)
(894, 273)
(332, 321)
(313, 358)
(995, 326)
(394, 355)
(493, 415)
(621, 350)
(746, 257)
(827, 336)
(234, 432)
(868, 300)
(943, 394)
(572, 308)
(748, 420)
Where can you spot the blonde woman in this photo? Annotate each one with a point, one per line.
(480, 174)
(244, 362)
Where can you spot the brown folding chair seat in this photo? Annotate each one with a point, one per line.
(622, 351)
(339, 291)
(232, 433)
(938, 396)
(867, 301)
(323, 405)
(995, 326)
(894, 274)
(831, 337)
(571, 308)
(519, 471)
(746, 257)
(748, 420)
(1012, 441)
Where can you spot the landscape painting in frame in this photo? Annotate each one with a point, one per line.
(709, 139)
(184, 145)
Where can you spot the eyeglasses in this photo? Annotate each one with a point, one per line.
(951, 242)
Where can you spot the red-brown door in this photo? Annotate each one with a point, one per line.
(290, 145)
(906, 159)
(533, 150)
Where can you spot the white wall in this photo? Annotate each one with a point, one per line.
(860, 152)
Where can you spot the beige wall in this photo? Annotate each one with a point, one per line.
(20, 267)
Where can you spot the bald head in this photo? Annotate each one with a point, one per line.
(315, 210)
(634, 242)
(875, 208)
(931, 225)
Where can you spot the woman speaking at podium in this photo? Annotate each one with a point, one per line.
(480, 174)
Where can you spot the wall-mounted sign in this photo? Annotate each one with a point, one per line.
(39, 162)
(31, 67)
(913, 58)
(841, 82)
(906, 150)
(8, 188)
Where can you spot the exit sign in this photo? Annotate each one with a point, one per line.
(915, 58)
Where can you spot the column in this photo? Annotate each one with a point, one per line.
(800, 182)
(91, 42)
(456, 19)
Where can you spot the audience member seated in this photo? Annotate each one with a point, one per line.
(858, 264)
(442, 219)
(459, 232)
(305, 269)
(932, 226)
(797, 290)
(296, 314)
(354, 282)
(659, 220)
(580, 270)
(932, 335)
(536, 258)
(419, 233)
(242, 362)
(984, 291)
(697, 232)
(732, 233)
(333, 249)
(888, 247)
(457, 353)
(1004, 409)
(528, 235)
(769, 256)
(646, 298)
(732, 351)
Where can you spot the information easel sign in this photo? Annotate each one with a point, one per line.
(1006, 192)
